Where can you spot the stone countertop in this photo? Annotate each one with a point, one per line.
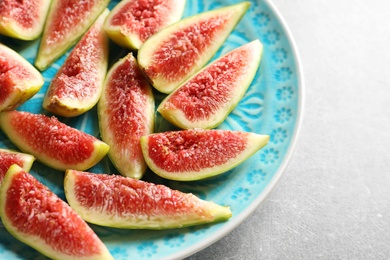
(333, 201)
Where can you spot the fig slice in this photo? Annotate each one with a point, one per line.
(19, 80)
(194, 154)
(206, 99)
(39, 218)
(10, 157)
(78, 84)
(123, 202)
(23, 20)
(52, 142)
(131, 22)
(66, 22)
(126, 112)
(178, 51)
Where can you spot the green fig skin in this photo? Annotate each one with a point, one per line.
(71, 94)
(196, 154)
(56, 40)
(38, 218)
(206, 99)
(53, 143)
(130, 30)
(126, 112)
(127, 203)
(9, 157)
(178, 51)
(34, 13)
(20, 80)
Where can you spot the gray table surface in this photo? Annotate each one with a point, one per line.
(333, 201)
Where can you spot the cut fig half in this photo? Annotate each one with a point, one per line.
(126, 112)
(10, 157)
(195, 154)
(66, 22)
(37, 217)
(78, 84)
(52, 142)
(23, 20)
(123, 202)
(132, 22)
(206, 99)
(178, 51)
(19, 80)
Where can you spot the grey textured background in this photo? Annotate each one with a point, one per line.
(333, 201)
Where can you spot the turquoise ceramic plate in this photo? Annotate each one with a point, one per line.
(272, 105)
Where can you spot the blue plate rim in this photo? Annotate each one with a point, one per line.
(233, 224)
